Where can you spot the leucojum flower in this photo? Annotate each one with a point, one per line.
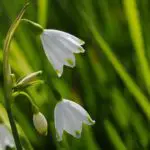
(70, 116)
(59, 47)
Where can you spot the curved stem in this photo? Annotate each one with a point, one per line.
(34, 107)
(7, 77)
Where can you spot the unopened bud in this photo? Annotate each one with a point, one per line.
(40, 123)
(28, 80)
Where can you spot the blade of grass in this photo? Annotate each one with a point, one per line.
(128, 81)
(136, 35)
(140, 98)
(114, 137)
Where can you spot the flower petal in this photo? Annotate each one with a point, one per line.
(56, 63)
(59, 121)
(63, 54)
(66, 35)
(80, 112)
(70, 46)
(71, 123)
(67, 43)
(6, 138)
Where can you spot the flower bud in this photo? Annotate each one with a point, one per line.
(28, 80)
(40, 123)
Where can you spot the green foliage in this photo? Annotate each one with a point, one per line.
(111, 79)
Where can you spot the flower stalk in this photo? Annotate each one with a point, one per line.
(39, 120)
(7, 76)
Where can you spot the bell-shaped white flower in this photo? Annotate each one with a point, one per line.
(40, 123)
(6, 138)
(69, 116)
(59, 47)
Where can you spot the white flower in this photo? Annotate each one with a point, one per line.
(6, 138)
(59, 47)
(69, 116)
(40, 123)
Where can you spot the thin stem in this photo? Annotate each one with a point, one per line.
(34, 107)
(13, 126)
(7, 77)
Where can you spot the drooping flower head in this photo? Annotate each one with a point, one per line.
(69, 116)
(59, 47)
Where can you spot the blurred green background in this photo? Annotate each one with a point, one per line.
(111, 80)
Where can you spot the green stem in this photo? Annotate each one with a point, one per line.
(34, 107)
(13, 127)
(7, 77)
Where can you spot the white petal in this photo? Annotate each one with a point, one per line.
(57, 64)
(68, 43)
(80, 112)
(70, 46)
(66, 35)
(62, 53)
(59, 121)
(9, 143)
(71, 124)
(6, 138)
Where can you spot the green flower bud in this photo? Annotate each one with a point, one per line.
(40, 123)
(28, 80)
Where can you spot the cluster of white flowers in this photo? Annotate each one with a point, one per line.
(59, 48)
(69, 116)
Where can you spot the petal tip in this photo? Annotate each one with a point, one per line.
(70, 62)
(81, 42)
(77, 134)
(59, 73)
(81, 50)
(90, 121)
(58, 137)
